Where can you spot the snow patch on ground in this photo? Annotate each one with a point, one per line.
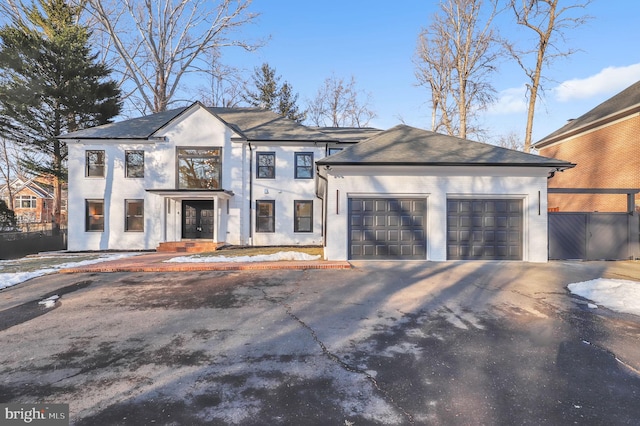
(617, 295)
(283, 255)
(11, 279)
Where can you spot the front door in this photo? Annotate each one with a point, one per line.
(197, 219)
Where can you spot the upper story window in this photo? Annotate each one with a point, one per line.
(304, 165)
(26, 202)
(95, 163)
(266, 165)
(199, 168)
(134, 164)
(334, 150)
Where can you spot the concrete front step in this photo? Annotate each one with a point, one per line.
(188, 246)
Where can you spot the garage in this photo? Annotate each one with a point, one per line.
(484, 229)
(388, 196)
(387, 228)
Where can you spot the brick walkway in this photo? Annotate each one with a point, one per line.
(154, 262)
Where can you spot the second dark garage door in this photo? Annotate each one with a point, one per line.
(387, 228)
(484, 229)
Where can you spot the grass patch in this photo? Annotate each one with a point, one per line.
(235, 251)
(36, 263)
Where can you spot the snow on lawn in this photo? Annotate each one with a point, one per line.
(617, 295)
(11, 279)
(283, 255)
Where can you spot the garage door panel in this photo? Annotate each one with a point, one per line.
(387, 228)
(484, 229)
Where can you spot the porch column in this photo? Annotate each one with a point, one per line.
(215, 220)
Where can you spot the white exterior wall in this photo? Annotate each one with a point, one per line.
(114, 188)
(163, 222)
(285, 189)
(436, 184)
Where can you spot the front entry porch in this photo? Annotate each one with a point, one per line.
(193, 221)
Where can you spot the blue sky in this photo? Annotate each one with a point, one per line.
(374, 41)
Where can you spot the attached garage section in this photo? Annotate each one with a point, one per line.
(484, 229)
(387, 228)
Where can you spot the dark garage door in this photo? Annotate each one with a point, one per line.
(484, 229)
(387, 228)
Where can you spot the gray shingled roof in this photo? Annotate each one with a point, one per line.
(624, 103)
(349, 134)
(254, 123)
(135, 128)
(264, 125)
(405, 145)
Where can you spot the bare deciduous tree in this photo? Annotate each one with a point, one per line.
(159, 42)
(340, 104)
(510, 140)
(225, 87)
(456, 55)
(548, 22)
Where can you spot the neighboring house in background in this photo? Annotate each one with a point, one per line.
(245, 176)
(32, 200)
(605, 145)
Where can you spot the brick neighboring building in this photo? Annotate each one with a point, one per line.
(604, 144)
(32, 201)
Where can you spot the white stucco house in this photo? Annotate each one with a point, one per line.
(245, 176)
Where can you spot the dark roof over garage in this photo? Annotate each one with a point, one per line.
(621, 105)
(405, 145)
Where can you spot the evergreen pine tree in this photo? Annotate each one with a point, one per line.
(269, 94)
(51, 83)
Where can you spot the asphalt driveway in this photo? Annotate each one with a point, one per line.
(382, 343)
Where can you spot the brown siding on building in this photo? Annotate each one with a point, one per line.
(608, 157)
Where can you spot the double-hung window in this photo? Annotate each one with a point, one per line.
(266, 165)
(134, 164)
(304, 165)
(94, 215)
(302, 216)
(134, 210)
(94, 163)
(265, 216)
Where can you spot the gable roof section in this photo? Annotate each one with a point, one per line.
(264, 125)
(405, 145)
(621, 105)
(254, 124)
(20, 183)
(135, 128)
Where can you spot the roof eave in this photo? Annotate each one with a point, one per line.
(559, 165)
(587, 126)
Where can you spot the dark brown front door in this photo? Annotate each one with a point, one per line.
(197, 219)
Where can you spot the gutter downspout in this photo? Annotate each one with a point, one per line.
(324, 207)
(250, 194)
